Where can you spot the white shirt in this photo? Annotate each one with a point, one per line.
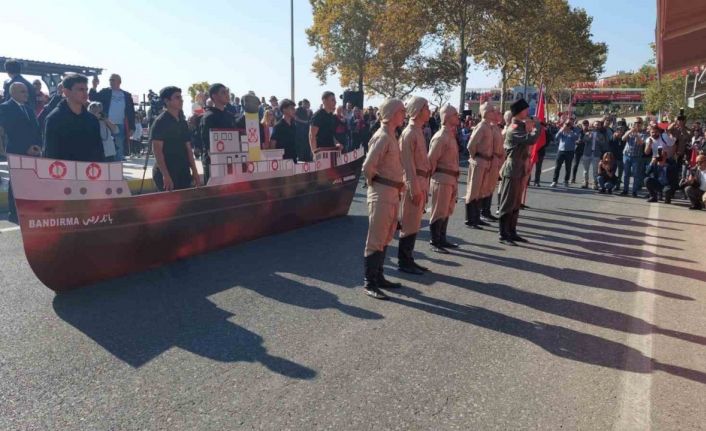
(116, 113)
(108, 142)
(665, 141)
(702, 183)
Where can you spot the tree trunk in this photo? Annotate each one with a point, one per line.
(463, 62)
(503, 87)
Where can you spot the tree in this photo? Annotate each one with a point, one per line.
(397, 68)
(196, 88)
(384, 47)
(341, 35)
(460, 24)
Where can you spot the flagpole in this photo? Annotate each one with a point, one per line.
(291, 26)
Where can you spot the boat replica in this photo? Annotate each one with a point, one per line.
(81, 224)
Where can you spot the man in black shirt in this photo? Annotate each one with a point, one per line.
(323, 125)
(285, 131)
(175, 168)
(72, 133)
(216, 117)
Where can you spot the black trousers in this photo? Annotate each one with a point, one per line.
(654, 187)
(181, 180)
(695, 195)
(577, 159)
(538, 169)
(564, 158)
(11, 204)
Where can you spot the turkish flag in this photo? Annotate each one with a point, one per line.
(542, 139)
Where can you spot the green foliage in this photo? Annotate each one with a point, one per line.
(197, 87)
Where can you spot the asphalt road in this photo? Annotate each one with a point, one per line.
(598, 324)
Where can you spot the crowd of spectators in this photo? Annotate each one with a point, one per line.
(662, 158)
(78, 123)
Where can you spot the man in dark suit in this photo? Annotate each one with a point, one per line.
(13, 68)
(21, 131)
(118, 107)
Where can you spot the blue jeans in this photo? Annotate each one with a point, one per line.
(633, 167)
(606, 183)
(120, 143)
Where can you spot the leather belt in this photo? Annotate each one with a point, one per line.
(448, 172)
(489, 158)
(385, 182)
(423, 173)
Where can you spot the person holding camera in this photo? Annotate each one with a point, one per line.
(107, 130)
(567, 138)
(607, 180)
(595, 145)
(662, 177)
(696, 184)
(632, 158)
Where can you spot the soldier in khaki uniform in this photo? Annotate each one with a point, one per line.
(480, 148)
(443, 160)
(491, 182)
(384, 176)
(415, 163)
(520, 136)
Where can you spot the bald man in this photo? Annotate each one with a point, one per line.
(21, 131)
(480, 149)
(118, 107)
(384, 176)
(443, 160)
(415, 163)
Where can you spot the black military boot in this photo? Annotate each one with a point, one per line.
(405, 261)
(485, 210)
(382, 282)
(478, 210)
(411, 253)
(444, 241)
(513, 228)
(469, 214)
(503, 227)
(371, 276)
(474, 215)
(435, 242)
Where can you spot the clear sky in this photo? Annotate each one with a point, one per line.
(243, 44)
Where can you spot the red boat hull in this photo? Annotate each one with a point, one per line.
(72, 243)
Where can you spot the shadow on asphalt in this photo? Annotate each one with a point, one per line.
(629, 218)
(138, 317)
(557, 340)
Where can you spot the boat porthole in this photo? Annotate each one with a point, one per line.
(83, 191)
(67, 191)
(119, 190)
(108, 191)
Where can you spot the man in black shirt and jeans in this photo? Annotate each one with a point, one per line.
(285, 131)
(323, 125)
(72, 133)
(216, 117)
(175, 168)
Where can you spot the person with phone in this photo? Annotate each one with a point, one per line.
(632, 158)
(662, 177)
(696, 184)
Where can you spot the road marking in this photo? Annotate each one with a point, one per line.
(548, 169)
(9, 229)
(635, 397)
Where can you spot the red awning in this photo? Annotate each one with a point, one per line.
(680, 34)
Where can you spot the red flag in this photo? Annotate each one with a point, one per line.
(542, 139)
